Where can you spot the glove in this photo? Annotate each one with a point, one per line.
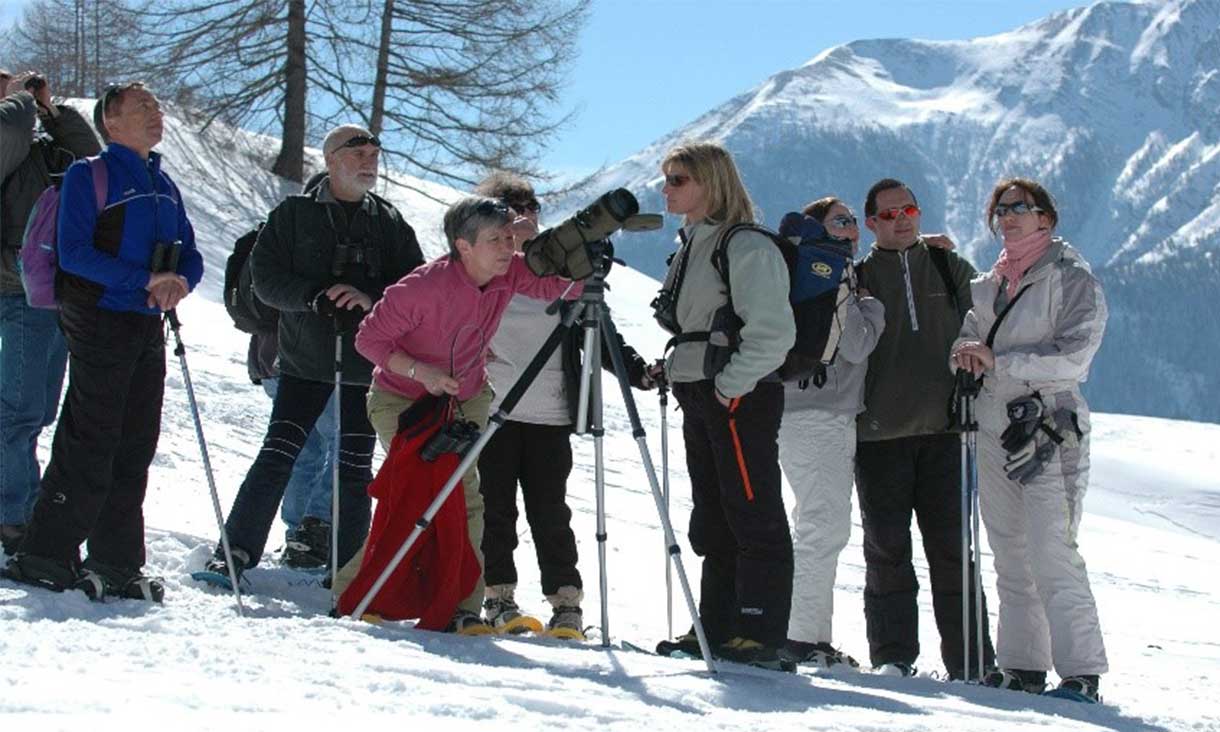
(1024, 416)
(322, 305)
(348, 321)
(1029, 461)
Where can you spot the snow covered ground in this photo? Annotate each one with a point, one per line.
(1150, 536)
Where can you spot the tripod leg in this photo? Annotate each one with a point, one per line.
(597, 428)
(637, 431)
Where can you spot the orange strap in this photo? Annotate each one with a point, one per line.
(741, 458)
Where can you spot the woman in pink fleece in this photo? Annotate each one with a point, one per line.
(430, 333)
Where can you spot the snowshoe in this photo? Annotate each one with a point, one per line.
(467, 623)
(99, 580)
(567, 622)
(896, 668)
(505, 617)
(816, 655)
(55, 575)
(1015, 679)
(753, 653)
(1078, 689)
(685, 645)
(308, 545)
(216, 571)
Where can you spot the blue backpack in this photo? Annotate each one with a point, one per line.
(821, 280)
(39, 261)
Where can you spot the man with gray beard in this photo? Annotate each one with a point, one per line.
(322, 260)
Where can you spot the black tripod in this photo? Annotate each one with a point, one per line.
(593, 315)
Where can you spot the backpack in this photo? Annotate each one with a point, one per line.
(249, 314)
(821, 277)
(39, 260)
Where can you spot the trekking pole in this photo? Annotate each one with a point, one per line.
(165, 259)
(979, 611)
(966, 388)
(663, 392)
(180, 352)
(334, 471)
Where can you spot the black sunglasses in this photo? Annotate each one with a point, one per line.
(531, 205)
(361, 141)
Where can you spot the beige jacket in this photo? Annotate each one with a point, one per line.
(760, 298)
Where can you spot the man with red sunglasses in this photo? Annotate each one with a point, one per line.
(908, 457)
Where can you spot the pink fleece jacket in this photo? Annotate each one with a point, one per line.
(438, 315)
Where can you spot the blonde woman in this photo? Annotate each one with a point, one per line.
(722, 369)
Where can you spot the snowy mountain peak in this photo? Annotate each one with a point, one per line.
(1114, 107)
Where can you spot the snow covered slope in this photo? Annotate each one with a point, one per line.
(1114, 107)
(1150, 537)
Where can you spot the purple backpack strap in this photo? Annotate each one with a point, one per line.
(100, 183)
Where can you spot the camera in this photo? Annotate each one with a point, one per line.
(564, 248)
(455, 437)
(34, 83)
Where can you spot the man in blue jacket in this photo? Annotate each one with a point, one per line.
(112, 295)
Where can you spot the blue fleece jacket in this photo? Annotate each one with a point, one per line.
(105, 255)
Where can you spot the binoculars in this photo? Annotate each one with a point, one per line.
(455, 437)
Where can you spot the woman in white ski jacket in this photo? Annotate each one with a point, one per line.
(1033, 446)
(817, 450)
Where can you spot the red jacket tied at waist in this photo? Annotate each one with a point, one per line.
(441, 568)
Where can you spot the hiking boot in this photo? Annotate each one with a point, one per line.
(896, 668)
(504, 615)
(1016, 679)
(753, 653)
(567, 622)
(1084, 685)
(686, 644)
(99, 580)
(467, 623)
(308, 545)
(217, 564)
(56, 575)
(821, 654)
(11, 536)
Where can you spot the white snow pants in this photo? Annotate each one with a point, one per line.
(817, 451)
(1047, 611)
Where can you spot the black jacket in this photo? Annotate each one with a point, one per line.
(295, 259)
(27, 162)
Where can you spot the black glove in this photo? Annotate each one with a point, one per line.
(1024, 416)
(347, 321)
(322, 305)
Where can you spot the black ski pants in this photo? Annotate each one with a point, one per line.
(93, 488)
(894, 478)
(738, 524)
(539, 457)
(298, 403)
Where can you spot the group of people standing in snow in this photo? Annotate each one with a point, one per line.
(1027, 329)
(374, 337)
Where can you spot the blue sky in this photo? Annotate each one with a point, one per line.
(647, 67)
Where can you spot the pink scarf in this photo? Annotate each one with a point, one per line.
(1019, 255)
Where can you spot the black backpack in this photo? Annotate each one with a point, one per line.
(249, 314)
(821, 279)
